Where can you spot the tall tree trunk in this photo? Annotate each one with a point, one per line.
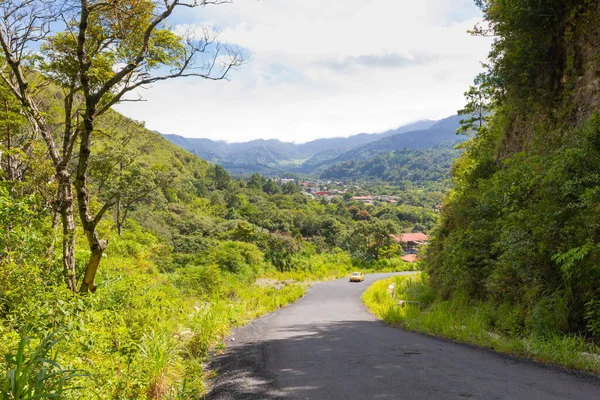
(88, 222)
(65, 201)
(97, 247)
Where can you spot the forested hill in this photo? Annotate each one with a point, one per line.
(273, 157)
(442, 132)
(413, 165)
(219, 151)
(520, 231)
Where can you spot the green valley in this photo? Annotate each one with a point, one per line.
(276, 158)
(125, 260)
(127, 256)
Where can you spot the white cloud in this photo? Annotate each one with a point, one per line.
(322, 69)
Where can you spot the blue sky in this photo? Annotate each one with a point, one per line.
(323, 69)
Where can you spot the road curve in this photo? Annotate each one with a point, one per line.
(328, 346)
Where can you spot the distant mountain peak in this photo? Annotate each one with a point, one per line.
(276, 155)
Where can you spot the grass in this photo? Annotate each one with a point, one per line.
(32, 372)
(473, 323)
(146, 333)
(139, 337)
(327, 266)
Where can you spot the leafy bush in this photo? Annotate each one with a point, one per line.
(244, 259)
(200, 281)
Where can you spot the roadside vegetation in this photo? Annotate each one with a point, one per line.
(167, 291)
(513, 263)
(412, 304)
(124, 260)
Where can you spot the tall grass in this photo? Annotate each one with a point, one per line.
(159, 354)
(32, 372)
(146, 333)
(326, 266)
(412, 305)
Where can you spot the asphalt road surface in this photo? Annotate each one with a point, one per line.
(328, 346)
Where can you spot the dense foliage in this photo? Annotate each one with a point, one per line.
(192, 251)
(520, 227)
(123, 259)
(201, 253)
(421, 167)
(412, 305)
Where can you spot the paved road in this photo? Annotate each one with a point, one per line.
(327, 346)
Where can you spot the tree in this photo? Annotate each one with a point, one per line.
(479, 106)
(235, 200)
(23, 25)
(106, 51)
(221, 178)
(372, 239)
(271, 187)
(353, 210)
(135, 185)
(116, 173)
(256, 181)
(290, 188)
(128, 33)
(361, 215)
(341, 210)
(280, 250)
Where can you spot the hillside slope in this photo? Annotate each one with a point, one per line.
(154, 149)
(419, 166)
(520, 232)
(186, 246)
(442, 132)
(273, 156)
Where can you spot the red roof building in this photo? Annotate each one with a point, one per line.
(414, 237)
(411, 243)
(411, 237)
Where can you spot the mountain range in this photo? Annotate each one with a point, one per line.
(275, 158)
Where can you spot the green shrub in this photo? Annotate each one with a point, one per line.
(203, 281)
(550, 316)
(243, 259)
(509, 319)
(592, 316)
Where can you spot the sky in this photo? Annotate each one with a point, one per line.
(322, 69)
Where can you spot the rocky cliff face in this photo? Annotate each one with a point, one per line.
(583, 70)
(562, 89)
